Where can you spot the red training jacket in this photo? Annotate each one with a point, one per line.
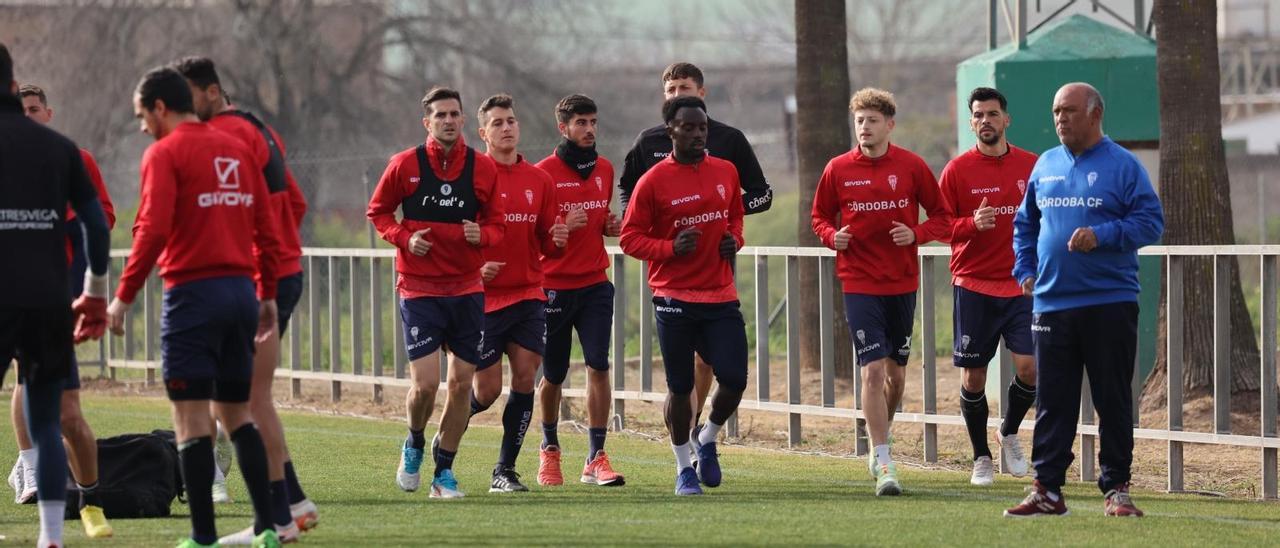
(452, 267)
(203, 210)
(671, 197)
(529, 200)
(289, 206)
(584, 260)
(95, 176)
(983, 261)
(868, 195)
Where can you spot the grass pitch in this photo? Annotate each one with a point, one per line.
(347, 466)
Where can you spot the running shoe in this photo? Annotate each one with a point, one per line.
(407, 476)
(1118, 504)
(1039, 503)
(600, 472)
(445, 486)
(549, 466)
(983, 472)
(687, 483)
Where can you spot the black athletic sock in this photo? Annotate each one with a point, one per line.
(89, 495)
(550, 436)
(973, 406)
(444, 460)
(195, 458)
(280, 503)
(515, 423)
(252, 455)
(595, 437)
(417, 439)
(476, 406)
(295, 489)
(1021, 398)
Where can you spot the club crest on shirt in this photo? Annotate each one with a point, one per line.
(893, 182)
(1022, 186)
(599, 185)
(446, 189)
(720, 189)
(1093, 177)
(528, 195)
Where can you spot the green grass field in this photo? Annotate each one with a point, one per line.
(347, 467)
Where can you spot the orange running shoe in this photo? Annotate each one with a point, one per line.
(549, 466)
(600, 472)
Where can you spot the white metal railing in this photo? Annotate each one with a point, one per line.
(363, 281)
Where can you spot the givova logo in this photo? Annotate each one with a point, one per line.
(228, 172)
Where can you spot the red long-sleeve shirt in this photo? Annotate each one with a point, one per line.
(584, 260)
(671, 197)
(529, 199)
(452, 267)
(869, 195)
(283, 202)
(109, 209)
(983, 261)
(202, 213)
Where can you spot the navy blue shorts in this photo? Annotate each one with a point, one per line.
(456, 323)
(40, 339)
(288, 293)
(980, 320)
(715, 331)
(523, 323)
(206, 339)
(881, 325)
(589, 310)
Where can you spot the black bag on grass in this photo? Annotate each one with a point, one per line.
(138, 476)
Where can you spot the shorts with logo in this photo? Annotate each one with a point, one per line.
(881, 325)
(456, 323)
(981, 320)
(40, 339)
(288, 293)
(589, 310)
(206, 339)
(523, 323)
(716, 331)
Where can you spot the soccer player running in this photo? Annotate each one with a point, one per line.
(447, 193)
(515, 321)
(579, 294)
(867, 208)
(80, 441)
(722, 141)
(982, 188)
(1089, 207)
(42, 172)
(685, 218)
(291, 509)
(195, 177)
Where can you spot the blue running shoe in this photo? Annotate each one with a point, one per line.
(445, 486)
(709, 465)
(687, 483)
(407, 476)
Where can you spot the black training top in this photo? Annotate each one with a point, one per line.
(723, 141)
(40, 172)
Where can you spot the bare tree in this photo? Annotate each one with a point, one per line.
(1197, 202)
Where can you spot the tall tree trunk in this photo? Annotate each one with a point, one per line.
(1197, 200)
(822, 133)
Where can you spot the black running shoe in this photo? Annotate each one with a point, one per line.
(506, 480)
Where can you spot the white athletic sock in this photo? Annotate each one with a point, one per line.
(28, 457)
(217, 474)
(1052, 496)
(882, 454)
(684, 456)
(709, 432)
(51, 512)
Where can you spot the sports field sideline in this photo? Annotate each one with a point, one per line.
(767, 498)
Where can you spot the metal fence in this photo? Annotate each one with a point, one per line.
(352, 292)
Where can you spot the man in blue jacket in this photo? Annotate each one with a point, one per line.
(1088, 208)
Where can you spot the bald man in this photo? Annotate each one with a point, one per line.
(1089, 207)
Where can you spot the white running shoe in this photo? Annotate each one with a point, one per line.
(305, 514)
(244, 537)
(15, 479)
(983, 472)
(220, 494)
(1015, 461)
(28, 494)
